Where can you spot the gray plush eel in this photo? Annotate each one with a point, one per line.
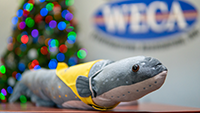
(100, 84)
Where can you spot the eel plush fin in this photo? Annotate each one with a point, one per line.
(82, 86)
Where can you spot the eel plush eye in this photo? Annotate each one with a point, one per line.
(135, 68)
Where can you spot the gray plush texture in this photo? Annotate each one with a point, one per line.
(82, 83)
(120, 73)
(45, 88)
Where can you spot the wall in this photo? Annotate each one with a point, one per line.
(8, 9)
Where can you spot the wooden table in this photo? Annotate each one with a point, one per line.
(143, 107)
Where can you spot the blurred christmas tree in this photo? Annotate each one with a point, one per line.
(43, 34)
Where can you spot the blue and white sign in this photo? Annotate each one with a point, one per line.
(145, 19)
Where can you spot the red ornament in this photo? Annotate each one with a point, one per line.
(30, 66)
(14, 74)
(31, 1)
(48, 19)
(63, 48)
(38, 18)
(44, 50)
(25, 13)
(24, 39)
(34, 63)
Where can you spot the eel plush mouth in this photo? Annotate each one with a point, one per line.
(138, 79)
(131, 92)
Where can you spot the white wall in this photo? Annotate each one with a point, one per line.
(8, 9)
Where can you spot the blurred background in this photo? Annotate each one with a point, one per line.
(112, 29)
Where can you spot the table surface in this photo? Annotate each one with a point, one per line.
(142, 107)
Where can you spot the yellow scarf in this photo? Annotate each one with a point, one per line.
(69, 76)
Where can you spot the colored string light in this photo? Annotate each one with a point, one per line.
(2, 97)
(54, 43)
(32, 1)
(10, 40)
(34, 63)
(52, 24)
(72, 33)
(10, 46)
(24, 6)
(18, 76)
(69, 2)
(69, 16)
(37, 67)
(29, 65)
(49, 42)
(48, 19)
(44, 50)
(42, 0)
(50, 6)
(71, 37)
(25, 13)
(23, 47)
(35, 40)
(72, 61)
(60, 57)
(62, 25)
(57, 15)
(57, 8)
(29, 22)
(52, 49)
(3, 91)
(52, 64)
(70, 28)
(22, 25)
(38, 18)
(20, 13)
(14, 20)
(35, 33)
(63, 48)
(24, 33)
(43, 11)
(82, 53)
(41, 39)
(64, 13)
(24, 39)
(11, 82)
(9, 89)
(3, 69)
(23, 99)
(21, 67)
(18, 51)
(14, 74)
(29, 7)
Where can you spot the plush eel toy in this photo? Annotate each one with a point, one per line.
(100, 84)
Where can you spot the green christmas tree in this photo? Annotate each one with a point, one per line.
(44, 34)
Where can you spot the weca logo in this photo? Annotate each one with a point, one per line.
(145, 19)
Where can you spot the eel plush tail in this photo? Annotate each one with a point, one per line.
(19, 90)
